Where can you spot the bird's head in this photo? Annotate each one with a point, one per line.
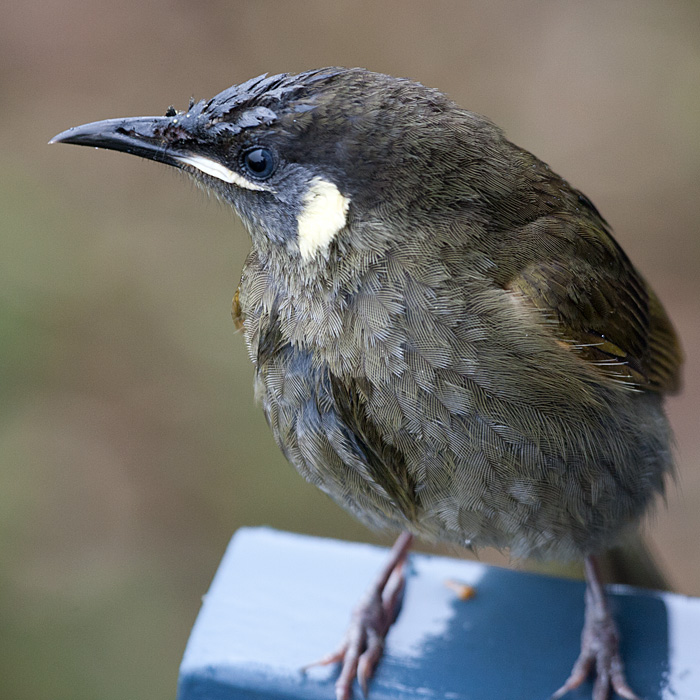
(316, 160)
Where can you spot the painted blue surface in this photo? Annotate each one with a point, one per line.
(281, 600)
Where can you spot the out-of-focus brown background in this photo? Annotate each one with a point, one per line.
(131, 446)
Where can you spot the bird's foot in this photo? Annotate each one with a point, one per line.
(599, 646)
(363, 645)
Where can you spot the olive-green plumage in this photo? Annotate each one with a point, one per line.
(447, 339)
(475, 359)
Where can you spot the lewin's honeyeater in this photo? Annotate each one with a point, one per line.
(447, 339)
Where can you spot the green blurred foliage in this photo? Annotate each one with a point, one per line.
(131, 446)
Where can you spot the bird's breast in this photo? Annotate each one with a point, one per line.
(448, 412)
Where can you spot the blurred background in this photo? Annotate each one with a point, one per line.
(131, 446)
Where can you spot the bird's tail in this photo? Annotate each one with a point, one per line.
(631, 562)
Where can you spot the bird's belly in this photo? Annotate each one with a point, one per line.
(472, 468)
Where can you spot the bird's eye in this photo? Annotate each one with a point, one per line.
(259, 163)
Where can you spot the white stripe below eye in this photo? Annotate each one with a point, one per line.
(219, 171)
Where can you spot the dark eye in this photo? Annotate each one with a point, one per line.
(259, 163)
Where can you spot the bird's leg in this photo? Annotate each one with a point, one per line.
(363, 645)
(599, 645)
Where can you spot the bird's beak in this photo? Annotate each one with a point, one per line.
(169, 140)
(157, 138)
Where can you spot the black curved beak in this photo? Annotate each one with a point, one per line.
(154, 138)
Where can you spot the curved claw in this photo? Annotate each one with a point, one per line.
(599, 646)
(363, 646)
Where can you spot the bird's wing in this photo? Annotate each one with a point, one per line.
(385, 462)
(599, 305)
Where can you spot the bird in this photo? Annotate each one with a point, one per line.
(447, 339)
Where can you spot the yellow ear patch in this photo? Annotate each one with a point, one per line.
(324, 213)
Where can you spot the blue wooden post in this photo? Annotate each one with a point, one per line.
(281, 600)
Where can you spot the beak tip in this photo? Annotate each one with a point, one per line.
(60, 138)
